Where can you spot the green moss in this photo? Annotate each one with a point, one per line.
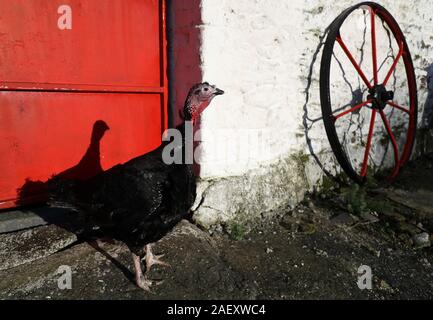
(237, 231)
(355, 199)
(315, 11)
(328, 185)
(371, 181)
(300, 158)
(308, 228)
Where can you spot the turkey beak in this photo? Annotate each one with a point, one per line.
(218, 92)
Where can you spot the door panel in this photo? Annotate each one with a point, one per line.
(114, 43)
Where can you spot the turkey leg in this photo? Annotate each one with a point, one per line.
(140, 279)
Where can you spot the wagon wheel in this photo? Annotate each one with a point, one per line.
(368, 92)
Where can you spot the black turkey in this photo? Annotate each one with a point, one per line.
(140, 201)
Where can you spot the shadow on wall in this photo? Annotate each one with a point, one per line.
(307, 120)
(425, 136)
(88, 167)
(184, 62)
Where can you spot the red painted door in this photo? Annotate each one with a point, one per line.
(82, 88)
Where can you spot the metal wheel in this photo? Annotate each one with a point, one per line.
(368, 92)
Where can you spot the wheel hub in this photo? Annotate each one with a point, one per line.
(380, 96)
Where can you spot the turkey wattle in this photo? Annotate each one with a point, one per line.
(140, 201)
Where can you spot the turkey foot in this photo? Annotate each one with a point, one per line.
(152, 259)
(140, 279)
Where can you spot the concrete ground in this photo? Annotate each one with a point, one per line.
(311, 252)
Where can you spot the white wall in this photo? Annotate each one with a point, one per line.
(260, 52)
(252, 50)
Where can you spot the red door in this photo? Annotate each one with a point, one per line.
(82, 88)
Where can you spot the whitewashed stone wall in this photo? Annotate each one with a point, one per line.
(264, 54)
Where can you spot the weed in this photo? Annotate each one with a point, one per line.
(237, 231)
(355, 199)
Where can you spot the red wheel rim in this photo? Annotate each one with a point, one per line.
(379, 99)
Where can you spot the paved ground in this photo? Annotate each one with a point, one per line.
(312, 252)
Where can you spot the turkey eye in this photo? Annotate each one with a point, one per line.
(206, 89)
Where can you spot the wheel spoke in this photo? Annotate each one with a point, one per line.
(373, 44)
(368, 146)
(392, 104)
(353, 61)
(394, 65)
(359, 106)
(394, 143)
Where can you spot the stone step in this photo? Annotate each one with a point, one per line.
(25, 246)
(16, 220)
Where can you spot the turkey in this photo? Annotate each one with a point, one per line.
(140, 201)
